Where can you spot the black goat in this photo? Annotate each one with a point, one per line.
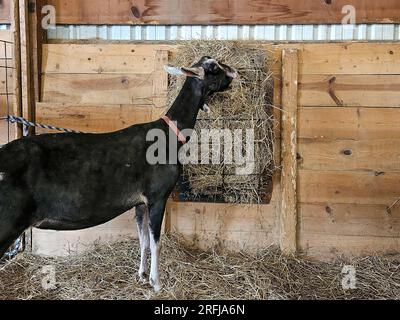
(76, 181)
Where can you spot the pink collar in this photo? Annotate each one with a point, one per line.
(174, 128)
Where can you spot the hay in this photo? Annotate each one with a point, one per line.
(110, 272)
(248, 105)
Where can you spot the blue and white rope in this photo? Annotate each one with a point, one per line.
(27, 124)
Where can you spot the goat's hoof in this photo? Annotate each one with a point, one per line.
(143, 278)
(156, 286)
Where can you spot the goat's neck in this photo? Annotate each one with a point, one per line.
(186, 107)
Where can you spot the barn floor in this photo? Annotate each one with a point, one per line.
(109, 272)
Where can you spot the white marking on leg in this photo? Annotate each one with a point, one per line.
(155, 256)
(144, 246)
(2, 175)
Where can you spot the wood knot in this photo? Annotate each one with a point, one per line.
(331, 91)
(347, 152)
(136, 12)
(328, 209)
(332, 80)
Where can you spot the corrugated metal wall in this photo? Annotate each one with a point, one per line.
(335, 32)
(373, 32)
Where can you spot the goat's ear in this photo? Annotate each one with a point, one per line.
(194, 72)
(187, 72)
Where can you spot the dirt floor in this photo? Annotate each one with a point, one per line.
(110, 272)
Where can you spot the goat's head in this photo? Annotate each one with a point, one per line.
(214, 75)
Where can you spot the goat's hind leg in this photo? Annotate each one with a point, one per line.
(142, 220)
(9, 232)
(156, 215)
(6, 242)
(15, 216)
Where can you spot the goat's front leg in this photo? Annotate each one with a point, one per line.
(156, 214)
(142, 220)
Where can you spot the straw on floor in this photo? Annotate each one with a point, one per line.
(110, 272)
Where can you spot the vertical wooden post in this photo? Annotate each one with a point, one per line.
(37, 35)
(289, 151)
(28, 70)
(28, 94)
(15, 25)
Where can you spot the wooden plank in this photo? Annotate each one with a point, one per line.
(378, 155)
(97, 88)
(238, 227)
(17, 77)
(7, 134)
(367, 187)
(275, 65)
(6, 35)
(3, 105)
(220, 12)
(289, 150)
(349, 123)
(331, 246)
(10, 81)
(222, 217)
(3, 53)
(160, 80)
(350, 58)
(36, 38)
(7, 63)
(89, 118)
(27, 87)
(5, 11)
(64, 243)
(98, 58)
(348, 220)
(349, 90)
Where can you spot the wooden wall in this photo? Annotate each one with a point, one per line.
(214, 12)
(349, 160)
(348, 141)
(349, 144)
